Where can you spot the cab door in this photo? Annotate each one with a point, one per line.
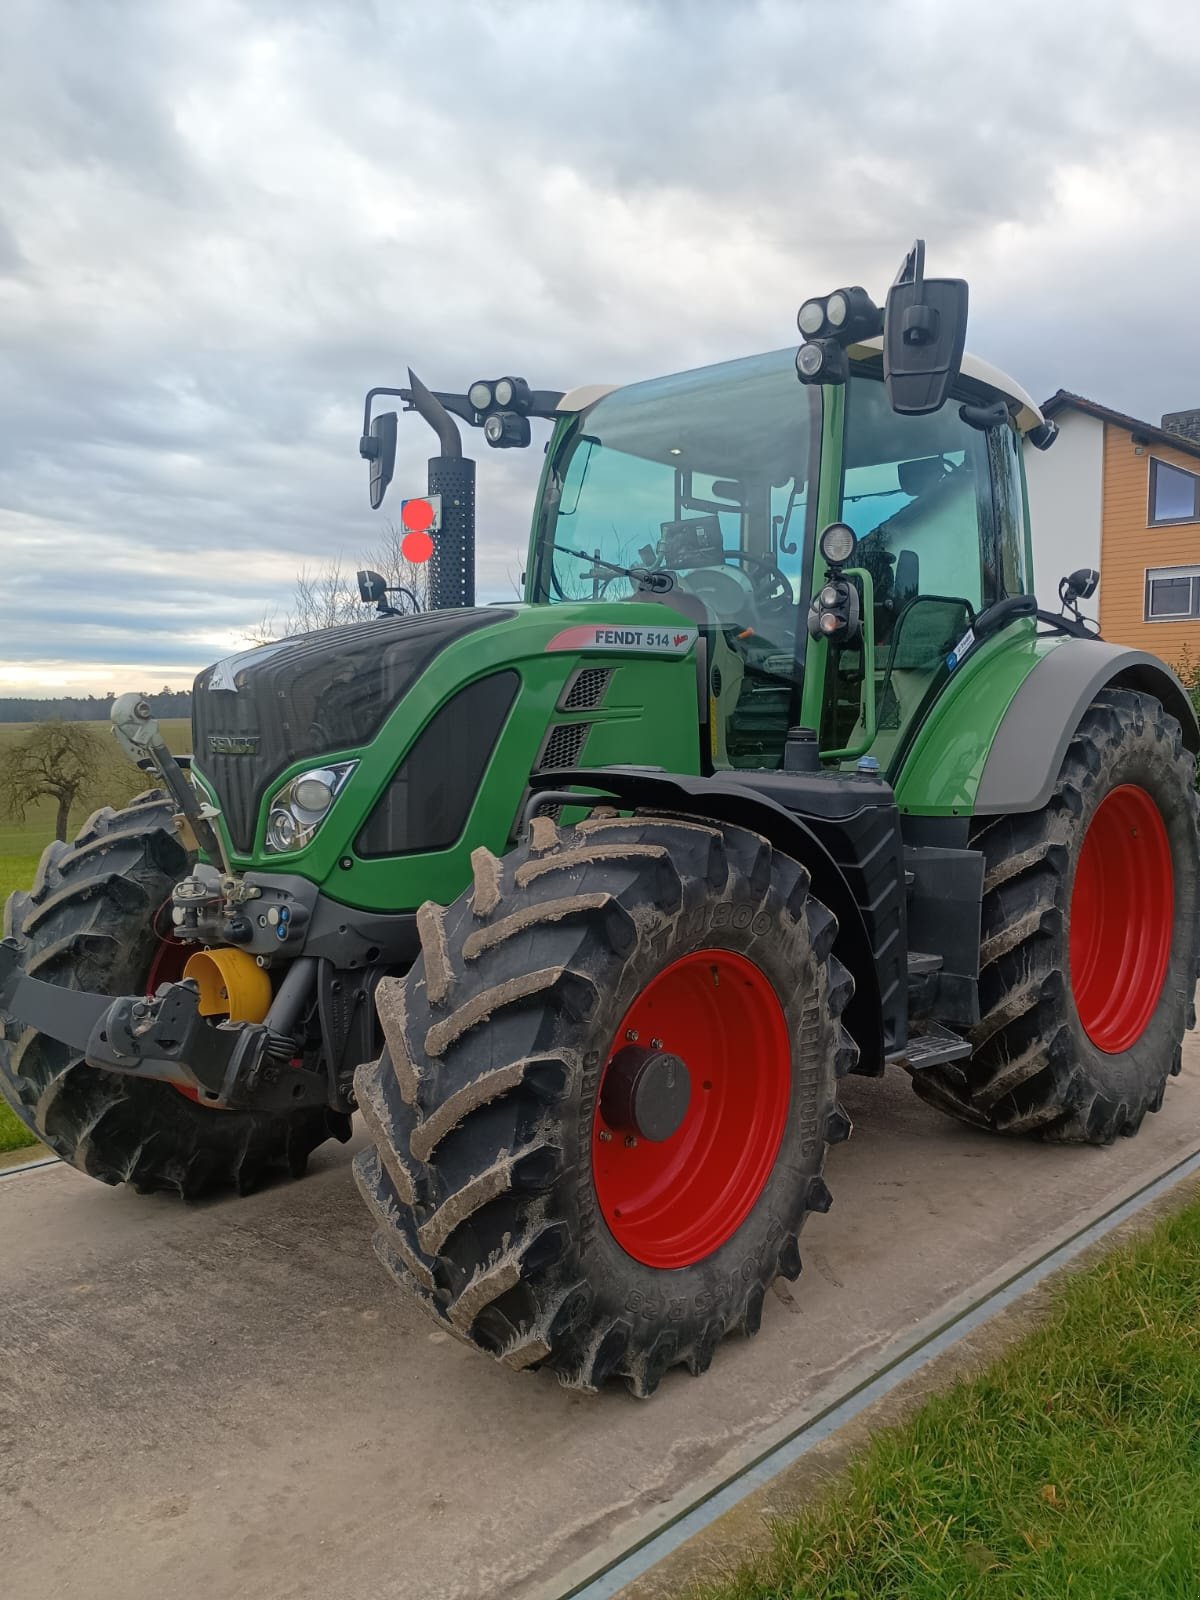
(938, 507)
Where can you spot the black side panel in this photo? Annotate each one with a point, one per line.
(426, 805)
(1027, 752)
(945, 904)
(255, 713)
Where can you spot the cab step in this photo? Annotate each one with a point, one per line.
(934, 1047)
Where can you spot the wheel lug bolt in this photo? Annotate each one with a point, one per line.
(630, 1142)
(631, 1034)
(656, 1044)
(605, 1136)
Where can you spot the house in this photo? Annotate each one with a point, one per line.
(1122, 495)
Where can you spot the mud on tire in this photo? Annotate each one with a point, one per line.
(1035, 1069)
(481, 1106)
(89, 922)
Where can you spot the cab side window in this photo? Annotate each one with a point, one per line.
(935, 505)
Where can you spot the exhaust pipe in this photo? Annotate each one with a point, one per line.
(451, 475)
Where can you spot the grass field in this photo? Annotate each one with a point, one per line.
(1070, 1468)
(22, 843)
(30, 836)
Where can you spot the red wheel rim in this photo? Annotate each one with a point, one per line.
(671, 1203)
(1122, 917)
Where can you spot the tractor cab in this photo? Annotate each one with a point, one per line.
(707, 492)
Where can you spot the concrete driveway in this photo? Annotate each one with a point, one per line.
(229, 1399)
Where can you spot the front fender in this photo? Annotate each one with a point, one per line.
(875, 1015)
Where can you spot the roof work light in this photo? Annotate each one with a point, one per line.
(829, 323)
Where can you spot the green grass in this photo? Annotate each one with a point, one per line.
(14, 1135)
(1070, 1468)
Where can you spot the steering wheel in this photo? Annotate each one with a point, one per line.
(769, 584)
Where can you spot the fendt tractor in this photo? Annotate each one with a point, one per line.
(777, 772)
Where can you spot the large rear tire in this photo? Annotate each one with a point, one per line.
(90, 922)
(1090, 938)
(513, 1196)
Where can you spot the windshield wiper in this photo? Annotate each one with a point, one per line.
(658, 582)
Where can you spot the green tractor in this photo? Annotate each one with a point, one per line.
(587, 903)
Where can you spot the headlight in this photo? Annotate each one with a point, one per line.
(300, 807)
(480, 395)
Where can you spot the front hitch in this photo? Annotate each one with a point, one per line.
(234, 1065)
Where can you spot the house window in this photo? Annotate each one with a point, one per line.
(1172, 594)
(1174, 493)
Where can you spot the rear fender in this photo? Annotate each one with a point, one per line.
(1040, 722)
(720, 798)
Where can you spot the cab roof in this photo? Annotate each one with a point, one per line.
(1027, 412)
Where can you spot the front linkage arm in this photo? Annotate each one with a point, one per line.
(239, 1066)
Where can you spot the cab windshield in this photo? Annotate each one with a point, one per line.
(695, 488)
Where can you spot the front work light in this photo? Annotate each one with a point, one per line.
(829, 324)
(491, 395)
(847, 315)
(822, 361)
(505, 430)
(838, 543)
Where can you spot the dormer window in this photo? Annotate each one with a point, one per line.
(1174, 493)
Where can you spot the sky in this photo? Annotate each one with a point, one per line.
(222, 222)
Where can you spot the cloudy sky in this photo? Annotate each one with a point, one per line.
(221, 222)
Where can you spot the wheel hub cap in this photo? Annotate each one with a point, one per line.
(646, 1093)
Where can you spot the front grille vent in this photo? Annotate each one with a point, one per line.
(563, 746)
(586, 689)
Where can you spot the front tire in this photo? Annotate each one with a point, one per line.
(513, 1195)
(89, 922)
(1090, 938)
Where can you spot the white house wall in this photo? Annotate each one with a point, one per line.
(1065, 488)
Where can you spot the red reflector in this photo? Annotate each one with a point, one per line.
(417, 517)
(416, 547)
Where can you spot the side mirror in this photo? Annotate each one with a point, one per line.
(379, 448)
(924, 335)
(1080, 585)
(372, 587)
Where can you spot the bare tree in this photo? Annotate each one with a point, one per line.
(327, 596)
(63, 762)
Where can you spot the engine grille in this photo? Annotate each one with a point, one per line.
(563, 747)
(586, 689)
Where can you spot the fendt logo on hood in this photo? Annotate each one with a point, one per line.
(233, 744)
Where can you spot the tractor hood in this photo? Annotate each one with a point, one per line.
(257, 712)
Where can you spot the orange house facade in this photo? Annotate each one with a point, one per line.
(1123, 496)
